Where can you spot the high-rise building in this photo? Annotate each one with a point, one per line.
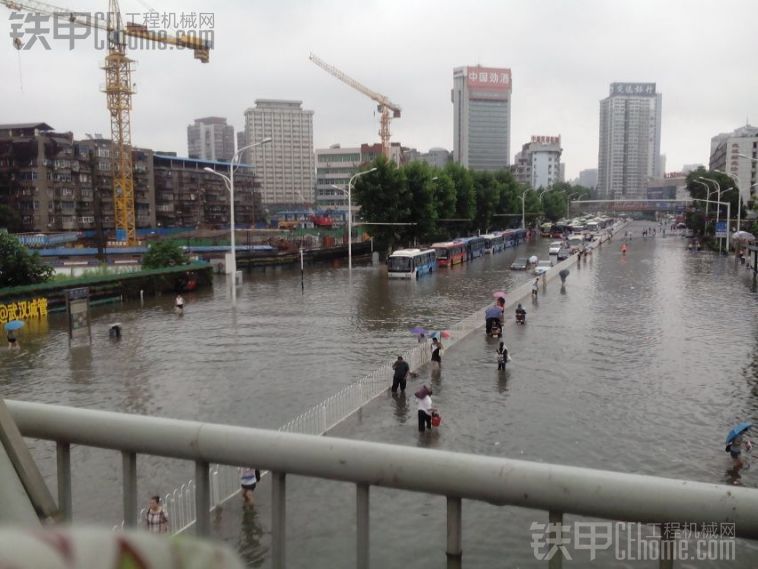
(630, 140)
(539, 162)
(726, 149)
(285, 167)
(481, 99)
(210, 138)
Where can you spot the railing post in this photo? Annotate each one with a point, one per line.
(454, 527)
(362, 526)
(555, 520)
(129, 480)
(202, 498)
(667, 545)
(63, 459)
(278, 518)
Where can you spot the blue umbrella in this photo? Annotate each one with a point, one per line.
(436, 335)
(418, 330)
(737, 431)
(14, 325)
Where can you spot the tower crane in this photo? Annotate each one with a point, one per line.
(118, 90)
(384, 105)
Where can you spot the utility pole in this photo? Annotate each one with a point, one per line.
(99, 235)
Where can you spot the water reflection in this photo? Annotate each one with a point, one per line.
(400, 401)
(251, 546)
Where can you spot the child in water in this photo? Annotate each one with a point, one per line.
(502, 356)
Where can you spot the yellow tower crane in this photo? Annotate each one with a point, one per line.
(118, 90)
(384, 105)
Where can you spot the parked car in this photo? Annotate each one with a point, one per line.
(520, 264)
(564, 253)
(555, 246)
(542, 267)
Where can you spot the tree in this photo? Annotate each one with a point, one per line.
(487, 192)
(10, 220)
(383, 198)
(443, 198)
(700, 190)
(18, 267)
(164, 254)
(465, 195)
(554, 205)
(421, 210)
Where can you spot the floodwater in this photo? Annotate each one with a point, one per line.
(640, 364)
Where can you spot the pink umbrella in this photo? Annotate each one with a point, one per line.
(445, 334)
(499, 294)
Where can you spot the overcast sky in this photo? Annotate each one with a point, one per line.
(563, 55)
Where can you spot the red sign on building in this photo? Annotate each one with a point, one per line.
(488, 79)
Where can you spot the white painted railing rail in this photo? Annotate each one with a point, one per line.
(556, 489)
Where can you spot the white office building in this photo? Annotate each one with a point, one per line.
(210, 138)
(334, 167)
(481, 99)
(727, 151)
(539, 162)
(588, 178)
(630, 140)
(285, 166)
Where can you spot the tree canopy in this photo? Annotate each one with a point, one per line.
(438, 204)
(164, 254)
(18, 266)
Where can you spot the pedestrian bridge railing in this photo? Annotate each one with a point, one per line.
(554, 489)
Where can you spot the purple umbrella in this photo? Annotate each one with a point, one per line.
(418, 330)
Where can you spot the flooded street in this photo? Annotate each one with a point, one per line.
(641, 364)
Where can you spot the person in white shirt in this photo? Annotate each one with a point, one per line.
(425, 409)
(179, 304)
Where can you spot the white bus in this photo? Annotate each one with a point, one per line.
(411, 263)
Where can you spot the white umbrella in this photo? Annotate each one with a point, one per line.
(533, 259)
(743, 236)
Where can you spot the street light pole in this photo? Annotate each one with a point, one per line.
(229, 180)
(739, 195)
(718, 208)
(350, 215)
(523, 208)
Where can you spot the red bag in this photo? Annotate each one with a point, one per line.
(436, 420)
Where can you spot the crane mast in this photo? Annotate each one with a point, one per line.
(387, 109)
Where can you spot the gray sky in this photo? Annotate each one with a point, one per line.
(563, 54)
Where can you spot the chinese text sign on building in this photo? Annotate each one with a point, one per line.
(488, 79)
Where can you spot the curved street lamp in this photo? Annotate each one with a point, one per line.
(229, 181)
(350, 215)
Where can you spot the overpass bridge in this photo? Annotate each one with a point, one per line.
(628, 206)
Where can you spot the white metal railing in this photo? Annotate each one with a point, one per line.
(323, 417)
(556, 489)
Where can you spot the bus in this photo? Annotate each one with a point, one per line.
(474, 246)
(514, 236)
(449, 254)
(411, 263)
(493, 242)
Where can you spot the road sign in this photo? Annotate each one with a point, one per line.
(721, 230)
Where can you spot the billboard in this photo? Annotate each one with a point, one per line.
(488, 79)
(633, 89)
(546, 139)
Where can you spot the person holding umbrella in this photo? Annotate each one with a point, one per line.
(736, 442)
(10, 329)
